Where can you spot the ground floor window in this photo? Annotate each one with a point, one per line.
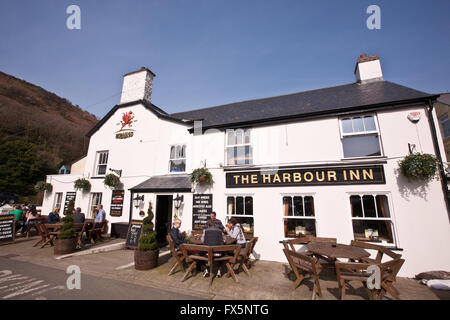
(371, 218)
(299, 216)
(58, 200)
(96, 199)
(241, 208)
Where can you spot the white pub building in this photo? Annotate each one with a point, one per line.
(322, 162)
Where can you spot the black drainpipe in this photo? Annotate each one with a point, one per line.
(438, 154)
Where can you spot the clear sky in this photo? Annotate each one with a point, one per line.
(210, 52)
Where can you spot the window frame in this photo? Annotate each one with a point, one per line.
(91, 198)
(55, 202)
(303, 195)
(442, 124)
(395, 241)
(97, 164)
(241, 145)
(172, 159)
(375, 132)
(243, 195)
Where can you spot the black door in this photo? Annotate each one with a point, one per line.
(163, 218)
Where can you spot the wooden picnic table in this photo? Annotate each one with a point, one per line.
(226, 240)
(337, 250)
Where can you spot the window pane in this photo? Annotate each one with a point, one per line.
(101, 170)
(240, 155)
(231, 138)
(358, 125)
(355, 203)
(369, 123)
(369, 207)
(247, 225)
(239, 136)
(183, 152)
(247, 137)
(373, 230)
(230, 156)
(383, 207)
(298, 206)
(249, 206)
(239, 205)
(347, 125)
(295, 228)
(230, 205)
(287, 204)
(309, 206)
(177, 165)
(364, 146)
(248, 155)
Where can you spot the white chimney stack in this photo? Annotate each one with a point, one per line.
(137, 85)
(368, 68)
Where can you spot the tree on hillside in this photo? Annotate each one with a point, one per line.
(20, 167)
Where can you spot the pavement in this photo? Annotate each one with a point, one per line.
(111, 275)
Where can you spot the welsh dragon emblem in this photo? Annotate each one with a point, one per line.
(127, 120)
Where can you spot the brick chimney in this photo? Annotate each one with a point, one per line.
(137, 85)
(368, 68)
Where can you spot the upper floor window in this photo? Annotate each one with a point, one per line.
(238, 147)
(177, 162)
(102, 162)
(445, 126)
(360, 137)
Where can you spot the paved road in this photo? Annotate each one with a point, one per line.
(25, 281)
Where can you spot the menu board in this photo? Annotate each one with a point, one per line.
(69, 196)
(201, 208)
(7, 228)
(117, 203)
(134, 233)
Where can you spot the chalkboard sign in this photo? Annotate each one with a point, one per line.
(134, 233)
(7, 228)
(117, 203)
(69, 196)
(201, 208)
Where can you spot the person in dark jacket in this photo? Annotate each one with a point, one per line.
(78, 217)
(175, 234)
(217, 222)
(53, 217)
(212, 236)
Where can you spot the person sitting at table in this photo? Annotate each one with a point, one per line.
(175, 234)
(17, 212)
(217, 222)
(30, 215)
(212, 236)
(53, 217)
(78, 217)
(234, 230)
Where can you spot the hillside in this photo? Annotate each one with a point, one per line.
(39, 122)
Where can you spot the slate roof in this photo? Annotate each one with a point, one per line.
(444, 98)
(319, 101)
(176, 182)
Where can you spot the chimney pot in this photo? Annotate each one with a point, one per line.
(368, 68)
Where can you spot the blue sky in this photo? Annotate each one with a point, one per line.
(207, 52)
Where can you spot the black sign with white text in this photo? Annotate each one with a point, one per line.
(7, 228)
(117, 203)
(201, 208)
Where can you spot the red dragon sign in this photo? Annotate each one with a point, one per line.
(127, 121)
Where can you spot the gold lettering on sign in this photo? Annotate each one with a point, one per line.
(317, 176)
(266, 177)
(332, 174)
(286, 177)
(254, 178)
(354, 174)
(345, 174)
(367, 174)
(236, 179)
(276, 178)
(310, 175)
(244, 179)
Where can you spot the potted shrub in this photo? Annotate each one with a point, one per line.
(82, 184)
(201, 176)
(111, 180)
(65, 241)
(419, 167)
(43, 186)
(146, 256)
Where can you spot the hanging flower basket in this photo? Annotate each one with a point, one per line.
(82, 184)
(202, 176)
(43, 186)
(419, 167)
(111, 180)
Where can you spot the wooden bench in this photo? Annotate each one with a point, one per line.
(96, 231)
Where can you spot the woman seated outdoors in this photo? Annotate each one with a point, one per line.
(178, 237)
(53, 217)
(30, 216)
(234, 230)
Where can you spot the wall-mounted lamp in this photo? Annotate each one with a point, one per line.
(138, 200)
(178, 200)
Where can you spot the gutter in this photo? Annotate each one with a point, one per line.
(437, 150)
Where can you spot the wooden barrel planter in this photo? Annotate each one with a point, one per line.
(65, 246)
(145, 260)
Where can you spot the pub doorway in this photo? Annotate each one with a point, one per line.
(163, 218)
